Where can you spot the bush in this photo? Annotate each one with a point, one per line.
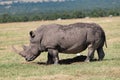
(61, 14)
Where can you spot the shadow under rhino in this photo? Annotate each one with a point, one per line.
(70, 60)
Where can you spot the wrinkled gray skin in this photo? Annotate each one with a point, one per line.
(69, 39)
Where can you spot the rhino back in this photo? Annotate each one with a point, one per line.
(71, 38)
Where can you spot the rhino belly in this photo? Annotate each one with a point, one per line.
(75, 49)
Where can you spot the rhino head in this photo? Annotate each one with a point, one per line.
(32, 51)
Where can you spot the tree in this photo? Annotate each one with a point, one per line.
(78, 14)
(6, 18)
(25, 18)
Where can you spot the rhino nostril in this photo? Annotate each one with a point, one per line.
(26, 59)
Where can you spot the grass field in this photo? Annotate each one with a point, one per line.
(14, 67)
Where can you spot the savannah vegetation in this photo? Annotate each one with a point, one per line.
(24, 17)
(67, 9)
(14, 67)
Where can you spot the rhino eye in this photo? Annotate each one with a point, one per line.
(32, 34)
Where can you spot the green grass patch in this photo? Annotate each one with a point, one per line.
(14, 67)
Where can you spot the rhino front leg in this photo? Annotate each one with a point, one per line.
(50, 59)
(52, 56)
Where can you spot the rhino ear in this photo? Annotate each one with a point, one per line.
(32, 35)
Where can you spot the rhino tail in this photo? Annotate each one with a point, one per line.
(105, 42)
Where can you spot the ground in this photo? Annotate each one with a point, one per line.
(14, 67)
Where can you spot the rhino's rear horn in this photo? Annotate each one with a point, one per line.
(24, 47)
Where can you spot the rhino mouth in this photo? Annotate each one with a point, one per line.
(30, 59)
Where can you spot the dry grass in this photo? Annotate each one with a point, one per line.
(14, 67)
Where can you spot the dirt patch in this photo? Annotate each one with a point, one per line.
(58, 77)
(55, 77)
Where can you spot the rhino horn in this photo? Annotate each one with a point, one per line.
(24, 47)
(17, 51)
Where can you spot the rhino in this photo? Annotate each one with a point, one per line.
(69, 39)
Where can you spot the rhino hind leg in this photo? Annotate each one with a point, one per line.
(101, 53)
(90, 55)
(52, 56)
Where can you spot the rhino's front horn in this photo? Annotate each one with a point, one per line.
(17, 51)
